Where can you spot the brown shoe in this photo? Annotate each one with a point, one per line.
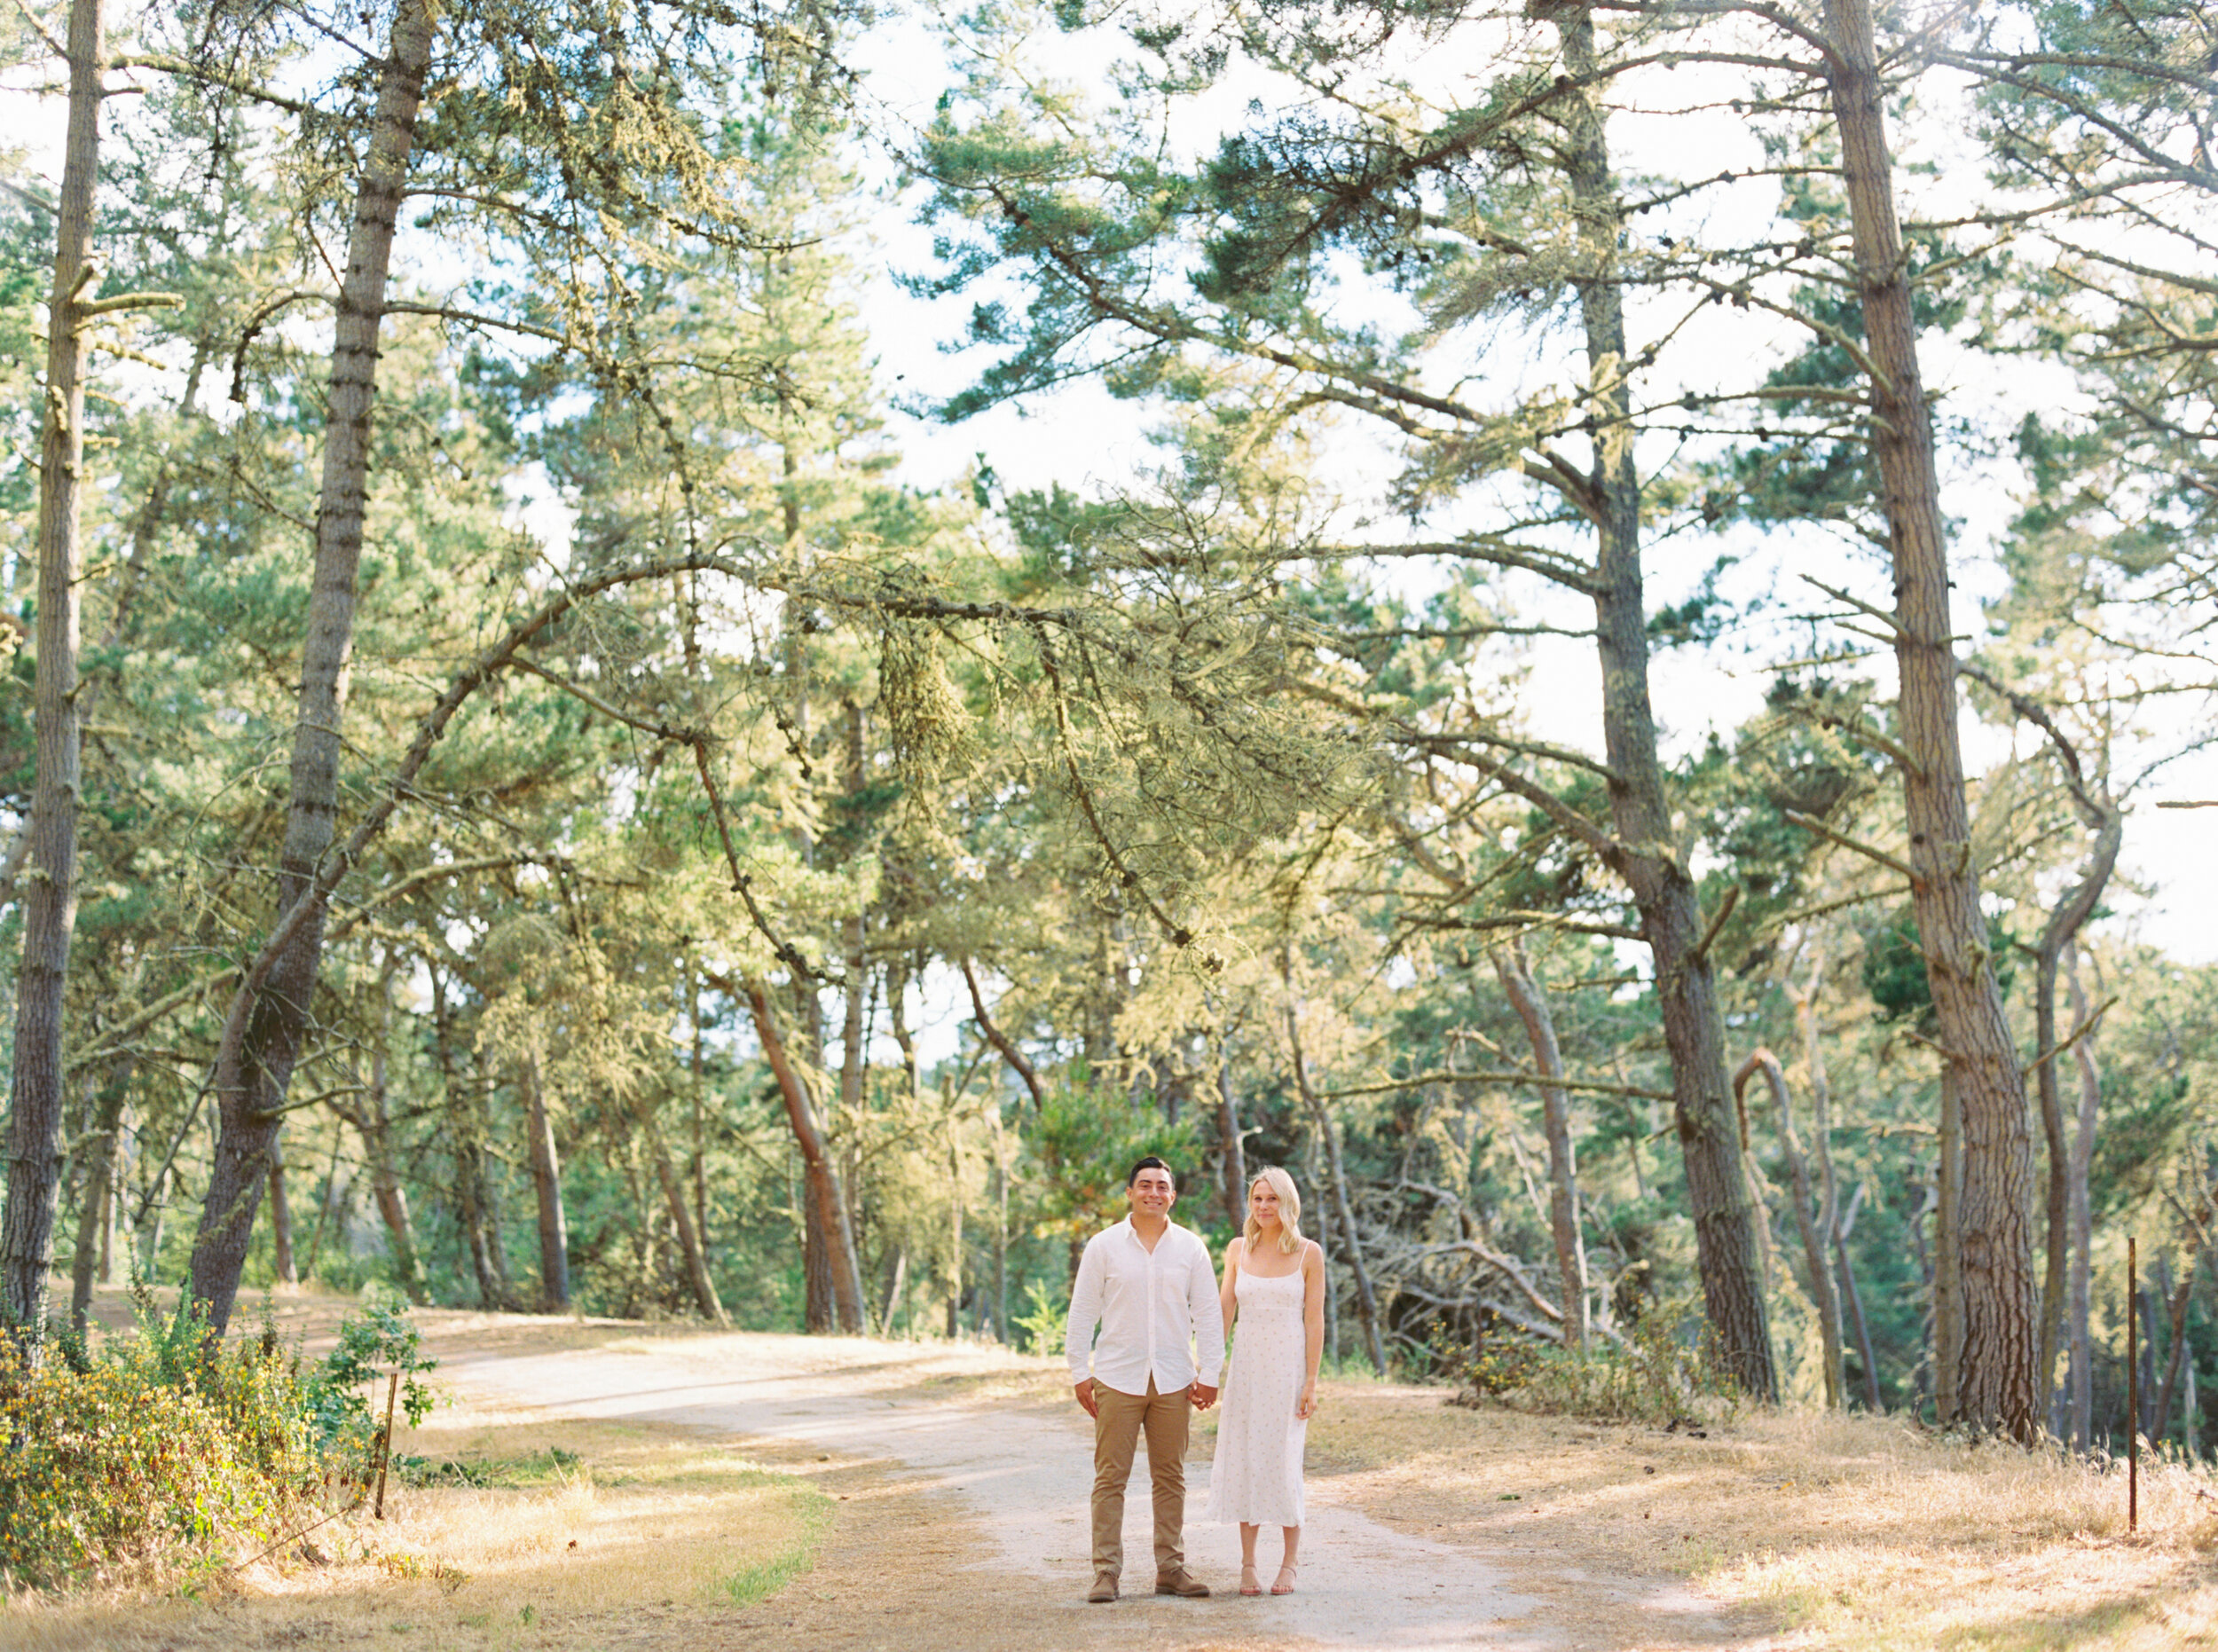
(1105, 1590)
(1182, 1583)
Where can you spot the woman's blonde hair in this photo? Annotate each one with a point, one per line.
(1289, 1210)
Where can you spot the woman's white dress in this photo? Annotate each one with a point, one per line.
(1256, 1478)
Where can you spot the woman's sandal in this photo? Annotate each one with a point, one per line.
(1284, 1583)
(1249, 1584)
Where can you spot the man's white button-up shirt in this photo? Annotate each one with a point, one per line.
(1158, 1311)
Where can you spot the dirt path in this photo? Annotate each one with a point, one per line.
(963, 1503)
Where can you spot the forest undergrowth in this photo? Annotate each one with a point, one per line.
(510, 1526)
(1846, 1530)
(1842, 1530)
(503, 1528)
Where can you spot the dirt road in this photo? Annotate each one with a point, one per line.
(964, 1506)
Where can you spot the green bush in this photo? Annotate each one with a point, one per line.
(125, 1459)
(1045, 1322)
(1653, 1376)
(164, 1445)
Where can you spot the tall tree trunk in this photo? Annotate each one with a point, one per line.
(1531, 1005)
(1847, 1305)
(1948, 1296)
(324, 1205)
(698, 1282)
(472, 1195)
(2081, 1211)
(101, 1150)
(827, 1204)
(820, 1309)
(1229, 1147)
(1998, 1385)
(282, 1262)
(2107, 823)
(696, 1073)
(1845, 1271)
(1336, 1176)
(1312, 1156)
(267, 1019)
(955, 1236)
(897, 1289)
(1814, 1257)
(1726, 1242)
(481, 1225)
(1001, 1234)
(373, 1123)
(2176, 1302)
(547, 1184)
(50, 910)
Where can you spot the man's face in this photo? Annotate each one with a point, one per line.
(1152, 1192)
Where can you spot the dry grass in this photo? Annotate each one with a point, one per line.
(1842, 1532)
(589, 1533)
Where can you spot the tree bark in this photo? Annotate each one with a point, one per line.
(1948, 1297)
(373, 1123)
(1229, 1147)
(698, 1282)
(1532, 1005)
(1336, 1178)
(1853, 1300)
(100, 1149)
(1017, 1062)
(1312, 1159)
(2107, 823)
(547, 1184)
(50, 907)
(1998, 1376)
(282, 1262)
(267, 1019)
(474, 1204)
(696, 1073)
(827, 1204)
(2175, 1300)
(2080, 1211)
(1821, 1292)
(1726, 1244)
(955, 1236)
(1848, 1305)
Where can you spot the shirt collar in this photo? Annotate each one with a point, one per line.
(1125, 1222)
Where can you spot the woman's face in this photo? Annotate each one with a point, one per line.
(1262, 1204)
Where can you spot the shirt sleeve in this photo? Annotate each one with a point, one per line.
(1208, 1316)
(1085, 1316)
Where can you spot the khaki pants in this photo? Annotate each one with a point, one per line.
(1118, 1422)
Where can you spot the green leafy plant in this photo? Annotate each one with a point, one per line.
(1654, 1376)
(1041, 1327)
(170, 1445)
(376, 1341)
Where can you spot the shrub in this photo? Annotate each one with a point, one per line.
(167, 1444)
(131, 1454)
(339, 1390)
(1654, 1376)
(1041, 1327)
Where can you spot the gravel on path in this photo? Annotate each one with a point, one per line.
(966, 1518)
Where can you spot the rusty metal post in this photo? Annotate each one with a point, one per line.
(2133, 1387)
(385, 1440)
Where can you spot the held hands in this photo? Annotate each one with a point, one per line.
(1202, 1395)
(1305, 1407)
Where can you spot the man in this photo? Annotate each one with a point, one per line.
(1150, 1286)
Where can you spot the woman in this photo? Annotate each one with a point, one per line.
(1274, 1289)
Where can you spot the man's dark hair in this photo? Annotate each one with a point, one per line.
(1151, 1163)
